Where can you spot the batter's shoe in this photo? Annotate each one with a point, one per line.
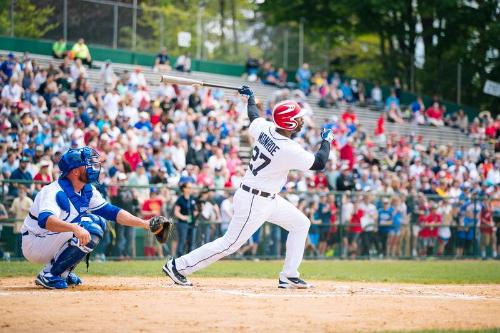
(50, 281)
(73, 280)
(172, 273)
(292, 283)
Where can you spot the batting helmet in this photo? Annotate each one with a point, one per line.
(77, 157)
(285, 113)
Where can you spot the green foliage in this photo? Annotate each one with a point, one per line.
(29, 21)
(451, 33)
(428, 272)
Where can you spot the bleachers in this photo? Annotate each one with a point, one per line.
(367, 117)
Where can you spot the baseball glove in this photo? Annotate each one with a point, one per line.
(161, 226)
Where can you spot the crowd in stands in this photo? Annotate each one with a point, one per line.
(331, 90)
(173, 150)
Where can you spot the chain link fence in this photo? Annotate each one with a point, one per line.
(344, 225)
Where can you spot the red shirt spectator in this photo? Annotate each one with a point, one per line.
(486, 221)
(349, 114)
(430, 219)
(132, 157)
(379, 130)
(43, 175)
(434, 112)
(355, 227)
(320, 180)
(347, 154)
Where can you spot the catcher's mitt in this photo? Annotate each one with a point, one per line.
(161, 226)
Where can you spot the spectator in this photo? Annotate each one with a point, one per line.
(139, 178)
(209, 216)
(185, 212)
(20, 208)
(392, 101)
(107, 74)
(435, 115)
(430, 223)
(196, 155)
(183, 63)
(3, 216)
(394, 114)
(369, 235)
(22, 174)
(227, 210)
(59, 49)
(303, 76)
(445, 209)
(355, 229)
(162, 61)
(417, 109)
(376, 96)
(395, 231)
(152, 206)
(252, 68)
(385, 224)
(43, 175)
(12, 92)
(487, 228)
(81, 51)
(323, 214)
(8, 67)
(125, 236)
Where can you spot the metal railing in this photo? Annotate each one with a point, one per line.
(330, 236)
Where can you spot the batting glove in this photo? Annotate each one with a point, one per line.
(246, 91)
(327, 134)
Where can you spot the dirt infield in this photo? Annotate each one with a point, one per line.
(246, 305)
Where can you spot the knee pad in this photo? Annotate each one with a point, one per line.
(73, 253)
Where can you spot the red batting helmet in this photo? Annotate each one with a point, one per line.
(284, 114)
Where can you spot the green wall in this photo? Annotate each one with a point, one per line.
(115, 55)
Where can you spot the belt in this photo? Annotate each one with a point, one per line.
(33, 217)
(257, 192)
(25, 233)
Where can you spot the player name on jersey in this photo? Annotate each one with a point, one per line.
(268, 143)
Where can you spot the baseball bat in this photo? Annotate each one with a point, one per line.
(190, 82)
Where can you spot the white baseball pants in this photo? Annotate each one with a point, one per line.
(42, 249)
(250, 212)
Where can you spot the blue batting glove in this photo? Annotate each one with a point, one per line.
(327, 134)
(246, 91)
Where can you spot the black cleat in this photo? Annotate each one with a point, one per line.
(172, 273)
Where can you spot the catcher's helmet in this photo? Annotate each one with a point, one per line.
(284, 114)
(77, 157)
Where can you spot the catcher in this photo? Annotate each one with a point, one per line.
(68, 219)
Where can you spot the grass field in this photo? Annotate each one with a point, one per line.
(425, 272)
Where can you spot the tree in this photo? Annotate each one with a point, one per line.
(29, 21)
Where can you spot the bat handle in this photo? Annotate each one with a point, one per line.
(213, 85)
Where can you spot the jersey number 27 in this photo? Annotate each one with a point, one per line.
(257, 154)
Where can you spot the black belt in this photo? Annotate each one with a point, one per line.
(257, 192)
(33, 216)
(26, 233)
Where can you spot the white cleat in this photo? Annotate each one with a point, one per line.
(293, 283)
(171, 272)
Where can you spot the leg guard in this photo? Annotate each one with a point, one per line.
(73, 253)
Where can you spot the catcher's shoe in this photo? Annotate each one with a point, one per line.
(172, 273)
(73, 280)
(50, 281)
(292, 283)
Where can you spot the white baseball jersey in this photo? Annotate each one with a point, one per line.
(273, 156)
(45, 201)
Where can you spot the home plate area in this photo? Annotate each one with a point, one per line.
(131, 304)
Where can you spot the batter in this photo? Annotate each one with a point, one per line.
(257, 200)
